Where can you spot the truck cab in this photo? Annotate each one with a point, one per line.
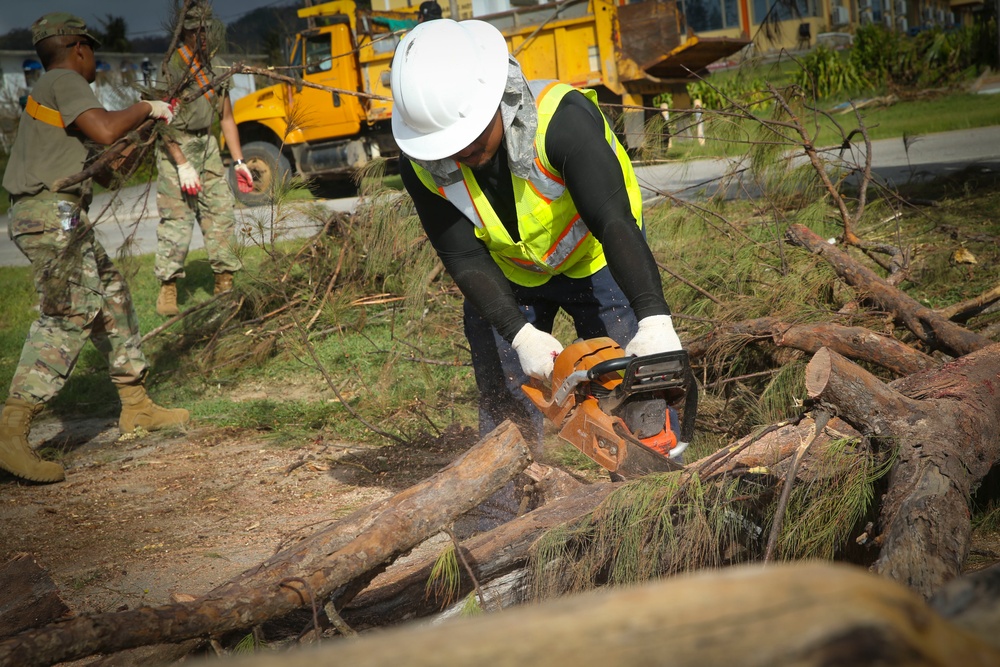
(323, 133)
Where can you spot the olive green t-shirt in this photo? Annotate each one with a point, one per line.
(43, 153)
(197, 114)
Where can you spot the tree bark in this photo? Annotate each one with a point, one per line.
(401, 592)
(302, 575)
(945, 426)
(801, 614)
(855, 343)
(966, 310)
(28, 598)
(933, 330)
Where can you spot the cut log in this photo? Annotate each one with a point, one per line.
(972, 602)
(28, 597)
(945, 425)
(855, 343)
(301, 576)
(804, 614)
(926, 324)
(400, 593)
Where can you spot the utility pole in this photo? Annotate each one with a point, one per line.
(453, 7)
(311, 22)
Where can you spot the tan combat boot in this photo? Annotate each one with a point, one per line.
(16, 456)
(223, 282)
(166, 302)
(138, 410)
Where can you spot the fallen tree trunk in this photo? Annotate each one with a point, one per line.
(855, 343)
(828, 382)
(803, 614)
(945, 426)
(401, 593)
(302, 575)
(28, 598)
(933, 330)
(968, 309)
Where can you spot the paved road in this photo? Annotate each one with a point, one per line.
(133, 214)
(928, 155)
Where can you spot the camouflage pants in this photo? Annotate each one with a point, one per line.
(82, 296)
(212, 209)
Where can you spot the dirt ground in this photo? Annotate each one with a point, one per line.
(138, 520)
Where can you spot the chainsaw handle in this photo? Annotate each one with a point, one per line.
(609, 366)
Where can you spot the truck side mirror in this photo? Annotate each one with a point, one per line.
(336, 99)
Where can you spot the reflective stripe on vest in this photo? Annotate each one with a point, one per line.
(555, 240)
(43, 113)
(197, 71)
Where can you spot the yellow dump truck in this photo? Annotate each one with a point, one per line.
(628, 53)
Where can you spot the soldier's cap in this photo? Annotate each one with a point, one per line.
(60, 23)
(197, 16)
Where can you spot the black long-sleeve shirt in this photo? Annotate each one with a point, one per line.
(576, 146)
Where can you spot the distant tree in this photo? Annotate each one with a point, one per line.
(273, 48)
(18, 39)
(113, 36)
(264, 31)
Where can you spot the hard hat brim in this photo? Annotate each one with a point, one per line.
(446, 142)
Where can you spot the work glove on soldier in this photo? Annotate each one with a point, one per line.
(537, 351)
(161, 110)
(244, 178)
(188, 175)
(656, 334)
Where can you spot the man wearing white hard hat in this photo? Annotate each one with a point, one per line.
(531, 203)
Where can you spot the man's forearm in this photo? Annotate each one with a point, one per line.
(229, 131)
(174, 151)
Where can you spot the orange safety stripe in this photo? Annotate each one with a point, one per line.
(196, 69)
(43, 113)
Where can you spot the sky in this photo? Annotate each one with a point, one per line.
(143, 17)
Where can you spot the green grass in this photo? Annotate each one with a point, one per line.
(282, 393)
(384, 359)
(943, 113)
(960, 111)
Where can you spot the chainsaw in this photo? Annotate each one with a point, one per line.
(622, 412)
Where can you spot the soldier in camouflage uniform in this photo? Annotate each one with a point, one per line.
(192, 180)
(82, 295)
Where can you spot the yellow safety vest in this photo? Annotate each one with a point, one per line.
(554, 240)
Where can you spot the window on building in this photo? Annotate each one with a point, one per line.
(782, 11)
(705, 15)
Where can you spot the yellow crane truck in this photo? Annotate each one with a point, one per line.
(629, 53)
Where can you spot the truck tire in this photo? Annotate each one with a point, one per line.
(270, 170)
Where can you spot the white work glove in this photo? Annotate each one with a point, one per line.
(190, 183)
(161, 110)
(656, 334)
(536, 350)
(244, 179)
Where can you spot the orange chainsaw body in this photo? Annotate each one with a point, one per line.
(578, 413)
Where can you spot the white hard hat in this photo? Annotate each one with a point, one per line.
(447, 81)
